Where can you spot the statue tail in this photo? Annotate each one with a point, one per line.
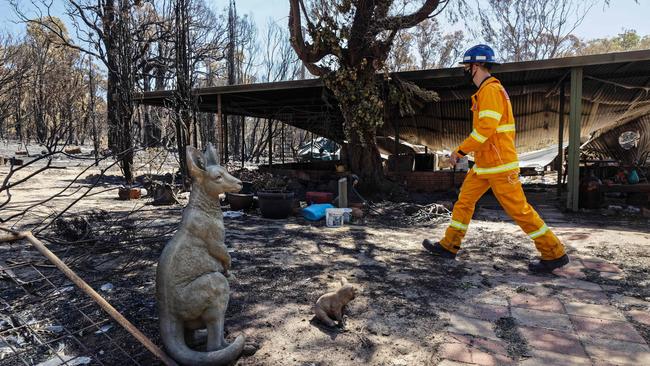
(172, 333)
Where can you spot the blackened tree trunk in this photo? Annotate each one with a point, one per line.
(359, 35)
(183, 83)
(120, 83)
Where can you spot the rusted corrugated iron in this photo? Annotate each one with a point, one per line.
(606, 142)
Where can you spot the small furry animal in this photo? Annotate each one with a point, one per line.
(332, 304)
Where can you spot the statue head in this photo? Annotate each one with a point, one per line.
(206, 171)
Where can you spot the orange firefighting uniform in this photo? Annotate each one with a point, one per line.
(496, 166)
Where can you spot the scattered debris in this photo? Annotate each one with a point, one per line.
(164, 194)
(232, 214)
(107, 287)
(54, 328)
(63, 359)
(104, 329)
(506, 329)
(73, 150)
(129, 193)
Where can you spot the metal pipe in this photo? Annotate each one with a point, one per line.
(560, 138)
(575, 119)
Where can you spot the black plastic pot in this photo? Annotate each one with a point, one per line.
(275, 204)
(247, 187)
(239, 201)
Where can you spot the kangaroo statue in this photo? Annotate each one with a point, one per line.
(191, 280)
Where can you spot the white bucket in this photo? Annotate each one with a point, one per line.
(334, 217)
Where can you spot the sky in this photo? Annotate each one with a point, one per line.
(600, 22)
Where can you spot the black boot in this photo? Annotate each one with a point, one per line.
(437, 249)
(547, 266)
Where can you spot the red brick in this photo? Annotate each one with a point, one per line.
(640, 316)
(572, 270)
(553, 341)
(537, 303)
(600, 265)
(603, 328)
(613, 276)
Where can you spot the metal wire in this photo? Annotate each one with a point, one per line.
(44, 318)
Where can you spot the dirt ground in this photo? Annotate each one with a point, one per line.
(280, 268)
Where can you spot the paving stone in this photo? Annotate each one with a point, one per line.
(572, 270)
(612, 276)
(483, 311)
(465, 325)
(553, 341)
(526, 279)
(618, 352)
(452, 363)
(542, 319)
(601, 266)
(604, 363)
(456, 352)
(486, 345)
(611, 288)
(492, 299)
(578, 295)
(537, 303)
(461, 352)
(642, 317)
(602, 328)
(575, 283)
(548, 358)
(594, 311)
(631, 301)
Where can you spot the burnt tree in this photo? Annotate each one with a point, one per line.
(349, 42)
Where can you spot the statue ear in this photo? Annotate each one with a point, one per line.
(211, 155)
(195, 164)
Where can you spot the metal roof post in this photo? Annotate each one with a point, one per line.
(560, 142)
(575, 119)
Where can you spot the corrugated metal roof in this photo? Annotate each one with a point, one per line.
(611, 97)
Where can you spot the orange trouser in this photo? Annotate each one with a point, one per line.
(508, 191)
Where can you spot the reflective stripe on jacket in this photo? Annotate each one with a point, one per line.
(493, 130)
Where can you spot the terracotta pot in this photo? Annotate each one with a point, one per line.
(239, 201)
(275, 204)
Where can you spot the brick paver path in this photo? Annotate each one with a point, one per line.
(577, 324)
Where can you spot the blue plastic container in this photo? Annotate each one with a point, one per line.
(316, 211)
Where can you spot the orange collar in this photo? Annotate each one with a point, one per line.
(489, 80)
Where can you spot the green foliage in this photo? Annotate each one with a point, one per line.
(408, 97)
(358, 95)
(628, 40)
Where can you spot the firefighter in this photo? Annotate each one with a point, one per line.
(492, 142)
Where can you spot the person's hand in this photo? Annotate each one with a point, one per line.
(453, 159)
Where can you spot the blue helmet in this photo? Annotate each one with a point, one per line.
(480, 53)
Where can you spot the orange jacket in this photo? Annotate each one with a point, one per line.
(493, 136)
